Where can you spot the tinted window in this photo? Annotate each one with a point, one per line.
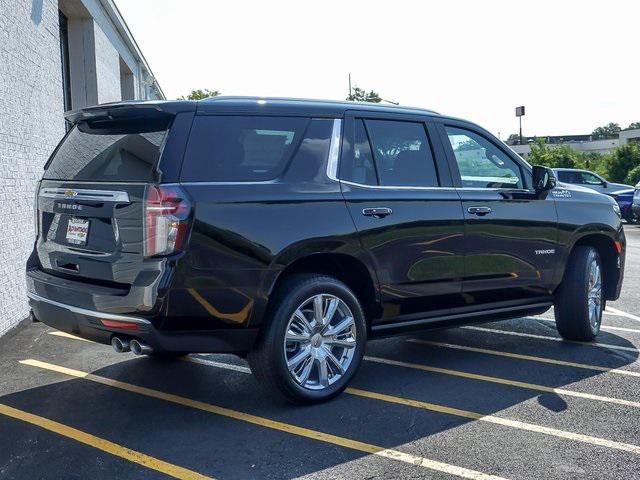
(402, 153)
(240, 148)
(101, 156)
(481, 163)
(359, 167)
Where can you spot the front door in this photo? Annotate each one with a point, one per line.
(398, 189)
(510, 230)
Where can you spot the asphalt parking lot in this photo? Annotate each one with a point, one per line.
(498, 400)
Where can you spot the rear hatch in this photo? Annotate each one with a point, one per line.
(93, 200)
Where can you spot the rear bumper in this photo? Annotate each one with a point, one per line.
(87, 324)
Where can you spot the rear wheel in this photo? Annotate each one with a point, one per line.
(580, 300)
(313, 339)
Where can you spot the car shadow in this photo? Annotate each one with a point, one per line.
(228, 448)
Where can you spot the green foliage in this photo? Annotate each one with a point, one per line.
(610, 130)
(553, 156)
(633, 176)
(622, 163)
(200, 94)
(633, 126)
(360, 95)
(513, 139)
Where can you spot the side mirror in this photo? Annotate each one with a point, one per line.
(605, 184)
(543, 178)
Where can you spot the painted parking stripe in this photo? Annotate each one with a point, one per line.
(433, 407)
(620, 313)
(58, 333)
(273, 424)
(504, 381)
(520, 356)
(102, 444)
(547, 337)
(602, 327)
(530, 427)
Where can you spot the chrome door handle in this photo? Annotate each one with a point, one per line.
(378, 212)
(480, 211)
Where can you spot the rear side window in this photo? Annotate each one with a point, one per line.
(359, 166)
(402, 153)
(240, 148)
(99, 155)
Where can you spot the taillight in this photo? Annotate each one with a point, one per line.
(166, 220)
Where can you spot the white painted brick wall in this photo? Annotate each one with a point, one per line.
(31, 124)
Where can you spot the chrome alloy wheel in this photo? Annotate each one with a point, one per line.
(594, 295)
(320, 341)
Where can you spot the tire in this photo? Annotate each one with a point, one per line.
(315, 376)
(578, 318)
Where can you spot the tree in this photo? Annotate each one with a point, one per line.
(610, 130)
(553, 156)
(633, 126)
(360, 95)
(200, 94)
(623, 162)
(513, 139)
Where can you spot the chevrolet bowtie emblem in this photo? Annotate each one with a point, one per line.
(70, 193)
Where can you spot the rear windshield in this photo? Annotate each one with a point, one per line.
(126, 154)
(240, 148)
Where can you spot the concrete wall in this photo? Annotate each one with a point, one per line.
(594, 146)
(31, 109)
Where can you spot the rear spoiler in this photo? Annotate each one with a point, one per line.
(132, 110)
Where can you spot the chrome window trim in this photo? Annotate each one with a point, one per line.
(394, 187)
(238, 182)
(85, 194)
(334, 150)
(89, 313)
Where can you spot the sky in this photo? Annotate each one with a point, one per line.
(574, 65)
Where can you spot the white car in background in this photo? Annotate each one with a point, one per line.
(589, 179)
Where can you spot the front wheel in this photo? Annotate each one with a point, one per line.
(580, 300)
(312, 341)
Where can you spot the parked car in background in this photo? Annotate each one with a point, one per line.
(624, 198)
(291, 231)
(588, 179)
(635, 206)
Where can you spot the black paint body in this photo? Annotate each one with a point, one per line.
(428, 264)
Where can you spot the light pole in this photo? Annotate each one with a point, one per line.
(520, 114)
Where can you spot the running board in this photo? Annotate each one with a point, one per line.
(461, 316)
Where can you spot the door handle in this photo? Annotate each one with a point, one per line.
(378, 212)
(480, 211)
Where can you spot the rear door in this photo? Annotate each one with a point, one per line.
(407, 213)
(511, 232)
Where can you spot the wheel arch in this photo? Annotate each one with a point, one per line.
(349, 269)
(605, 244)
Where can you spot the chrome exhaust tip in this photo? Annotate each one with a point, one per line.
(120, 345)
(140, 348)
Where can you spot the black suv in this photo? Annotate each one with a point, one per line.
(291, 231)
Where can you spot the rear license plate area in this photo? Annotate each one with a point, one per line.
(77, 231)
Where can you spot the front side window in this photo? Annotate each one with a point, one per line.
(402, 153)
(481, 163)
(240, 148)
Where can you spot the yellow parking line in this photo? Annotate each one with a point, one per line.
(555, 339)
(102, 444)
(58, 333)
(520, 356)
(601, 442)
(530, 427)
(503, 381)
(273, 424)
